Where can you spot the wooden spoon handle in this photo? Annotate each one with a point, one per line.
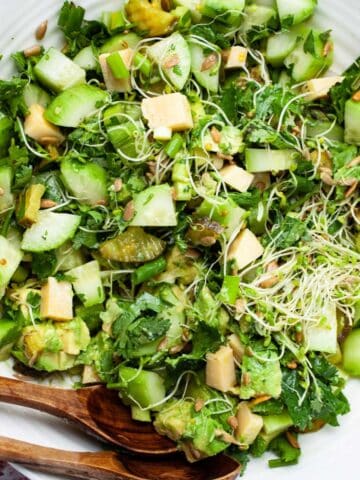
(56, 401)
(97, 466)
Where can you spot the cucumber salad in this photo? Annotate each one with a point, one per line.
(179, 218)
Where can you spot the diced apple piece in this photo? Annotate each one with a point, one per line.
(220, 369)
(56, 300)
(170, 110)
(116, 84)
(237, 347)
(320, 87)
(249, 424)
(38, 128)
(236, 177)
(236, 57)
(245, 249)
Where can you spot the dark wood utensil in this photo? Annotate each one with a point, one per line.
(116, 466)
(96, 410)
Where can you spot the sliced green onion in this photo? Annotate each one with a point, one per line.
(174, 146)
(117, 66)
(149, 270)
(143, 64)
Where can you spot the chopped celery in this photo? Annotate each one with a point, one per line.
(117, 66)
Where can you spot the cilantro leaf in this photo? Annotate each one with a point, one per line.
(43, 264)
(289, 232)
(288, 455)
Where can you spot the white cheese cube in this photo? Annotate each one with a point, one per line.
(116, 84)
(39, 129)
(170, 110)
(320, 87)
(162, 133)
(220, 369)
(236, 57)
(236, 177)
(323, 336)
(56, 300)
(245, 249)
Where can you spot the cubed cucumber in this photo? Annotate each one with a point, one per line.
(87, 283)
(351, 353)
(35, 95)
(279, 46)
(10, 258)
(68, 258)
(172, 54)
(120, 42)
(50, 231)
(86, 59)
(71, 107)
(193, 6)
(259, 160)
(86, 181)
(258, 17)
(352, 122)
(6, 197)
(224, 11)
(224, 211)
(205, 66)
(140, 415)
(292, 12)
(57, 72)
(9, 332)
(145, 387)
(311, 57)
(323, 337)
(276, 424)
(325, 129)
(154, 207)
(6, 129)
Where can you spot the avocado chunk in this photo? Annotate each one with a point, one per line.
(260, 377)
(52, 346)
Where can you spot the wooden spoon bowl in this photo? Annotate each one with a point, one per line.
(116, 466)
(97, 410)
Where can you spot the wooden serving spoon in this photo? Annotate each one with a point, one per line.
(116, 466)
(97, 410)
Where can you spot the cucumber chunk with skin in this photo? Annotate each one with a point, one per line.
(224, 11)
(71, 107)
(311, 57)
(258, 16)
(259, 160)
(292, 12)
(154, 207)
(86, 181)
(10, 256)
(87, 283)
(205, 66)
(120, 42)
(86, 59)
(325, 129)
(144, 387)
(7, 198)
(352, 122)
(279, 46)
(57, 72)
(50, 231)
(351, 353)
(9, 332)
(172, 54)
(35, 95)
